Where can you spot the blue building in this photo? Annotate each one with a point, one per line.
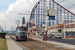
(39, 10)
(7, 32)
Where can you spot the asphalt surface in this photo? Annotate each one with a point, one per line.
(67, 41)
(39, 45)
(31, 44)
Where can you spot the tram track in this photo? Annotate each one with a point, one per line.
(31, 46)
(49, 45)
(37, 45)
(26, 46)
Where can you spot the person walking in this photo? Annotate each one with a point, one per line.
(43, 37)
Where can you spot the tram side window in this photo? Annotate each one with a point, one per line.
(25, 32)
(17, 33)
(14, 33)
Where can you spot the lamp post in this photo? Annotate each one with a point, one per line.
(51, 14)
(46, 23)
(64, 31)
(17, 22)
(43, 27)
(11, 29)
(5, 27)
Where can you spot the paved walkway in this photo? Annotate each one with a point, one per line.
(11, 44)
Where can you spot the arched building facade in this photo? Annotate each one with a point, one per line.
(39, 10)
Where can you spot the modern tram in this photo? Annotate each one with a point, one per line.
(20, 33)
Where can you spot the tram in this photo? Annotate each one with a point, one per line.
(20, 33)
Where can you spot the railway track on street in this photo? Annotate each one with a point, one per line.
(38, 45)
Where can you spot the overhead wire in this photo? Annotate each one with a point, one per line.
(61, 1)
(71, 6)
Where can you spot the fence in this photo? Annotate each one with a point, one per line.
(2, 35)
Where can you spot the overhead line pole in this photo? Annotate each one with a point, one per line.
(17, 22)
(5, 26)
(46, 23)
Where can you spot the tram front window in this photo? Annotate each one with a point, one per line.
(22, 33)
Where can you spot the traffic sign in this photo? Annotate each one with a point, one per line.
(32, 21)
(32, 24)
(43, 26)
(34, 27)
(61, 21)
(52, 12)
(52, 17)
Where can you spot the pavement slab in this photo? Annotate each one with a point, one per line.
(11, 44)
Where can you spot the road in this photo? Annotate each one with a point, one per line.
(67, 41)
(31, 44)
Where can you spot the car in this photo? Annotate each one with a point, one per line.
(49, 36)
(58, 36)
(69, 35)
(38, 34)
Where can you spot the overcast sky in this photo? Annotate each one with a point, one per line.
(9, 10)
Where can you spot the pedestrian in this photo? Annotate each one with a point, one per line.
(43, 37)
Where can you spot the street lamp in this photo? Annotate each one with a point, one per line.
(26, 14)
(64, 31)
(46, 23)
(51, 13)
(5, 27)
(17, 22)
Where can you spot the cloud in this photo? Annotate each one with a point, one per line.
(11, 14)
(2, 16)
(21, 6)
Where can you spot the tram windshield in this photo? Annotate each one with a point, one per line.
(21, 29)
